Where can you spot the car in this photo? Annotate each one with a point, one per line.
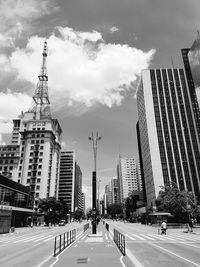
(62, 223)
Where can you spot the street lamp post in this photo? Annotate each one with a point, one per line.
(94, 182)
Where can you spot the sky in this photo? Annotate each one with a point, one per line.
(96, 52)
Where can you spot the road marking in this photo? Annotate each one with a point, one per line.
(158, 237)
(133, 258)
(130, 237)
(137, 236)
(148, 237)
(178, 256)
(57, 257)
(41, 238)
(27, 239)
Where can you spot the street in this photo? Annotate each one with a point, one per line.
(144, 247)
(147, 248)
(31, 246)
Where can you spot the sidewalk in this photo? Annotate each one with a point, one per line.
(92, 249)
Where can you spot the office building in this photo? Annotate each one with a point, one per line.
(129, 176)
(70, 181)
(115, 190)
(168, 131)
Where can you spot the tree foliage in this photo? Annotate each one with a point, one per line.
(179, 203)
(54, 209)
(114, 209)
(78, 214)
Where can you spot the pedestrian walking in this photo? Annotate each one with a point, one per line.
(191, 225)
(163, 228)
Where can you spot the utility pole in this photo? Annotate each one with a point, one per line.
(94, 182)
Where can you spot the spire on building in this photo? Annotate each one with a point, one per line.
(41, 97)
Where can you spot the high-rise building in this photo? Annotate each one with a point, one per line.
(78, 188)
(168, 131)
(129, 176)
(38, 136)
(115, 190)
(70, 181)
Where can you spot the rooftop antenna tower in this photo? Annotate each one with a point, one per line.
(41, 97)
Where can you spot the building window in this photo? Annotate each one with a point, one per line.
(19, 174)
(40, 166)
(30, 160)
(37, 195)
(40, 160)
(41, 147)
(28, 181)
(37, 187)
(39, 173)
(29, 174)
(42, 141)
(32, 141)
(41, 153)
(18, 181)
(38, 180)
(29, 167)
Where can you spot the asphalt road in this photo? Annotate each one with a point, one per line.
(31, 246)
(146, 248)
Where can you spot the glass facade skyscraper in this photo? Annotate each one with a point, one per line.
(168, 131)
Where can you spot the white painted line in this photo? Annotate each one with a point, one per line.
(49, 239)
(133, 258)
(27, 239)
(156, 236)
(137, 236)
(57, 257)
(178, 256)
(147, 237)
(41, 238)
(130, 237)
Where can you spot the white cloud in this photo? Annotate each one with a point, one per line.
(11, 105)
(82, 68)
(16, 16)
(114, 29)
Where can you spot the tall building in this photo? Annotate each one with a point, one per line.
(9, 160)
(38, 136)
(168, 131)
(115, 190)
(129, 176)
(70, 181)
(78, 188)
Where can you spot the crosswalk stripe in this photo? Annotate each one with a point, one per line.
(137, 236)
(148, 237)
(130, 237)
(158, 237)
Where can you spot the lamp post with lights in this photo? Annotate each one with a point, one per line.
(94, 140)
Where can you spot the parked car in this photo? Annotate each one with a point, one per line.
(62, 223)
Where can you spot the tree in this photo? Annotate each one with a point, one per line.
(181, 204)
(114, 209)
(78, 214)
(54, 209)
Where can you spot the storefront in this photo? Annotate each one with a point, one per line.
(16, 204)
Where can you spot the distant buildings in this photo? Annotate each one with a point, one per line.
(129, 176)
(70, 181)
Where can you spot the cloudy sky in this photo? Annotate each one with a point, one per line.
(97, 50)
